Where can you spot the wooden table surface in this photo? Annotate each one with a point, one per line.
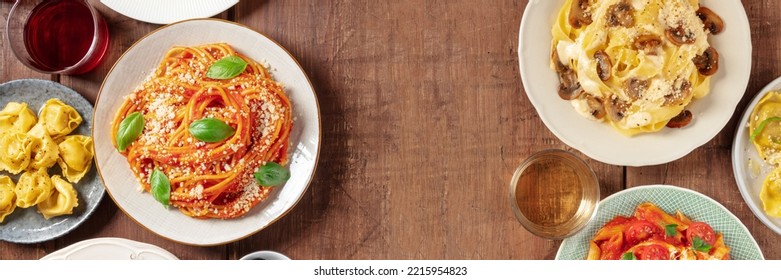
(424, 119)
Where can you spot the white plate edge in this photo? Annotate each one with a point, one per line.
(140, 16)
(739, 169)
(134, 247)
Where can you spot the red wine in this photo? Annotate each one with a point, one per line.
(59, 33)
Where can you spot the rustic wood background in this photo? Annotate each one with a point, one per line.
(424, 120)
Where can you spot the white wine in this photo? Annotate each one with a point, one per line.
(549, 192)
(554, 194)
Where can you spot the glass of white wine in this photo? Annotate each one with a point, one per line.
(554, 194)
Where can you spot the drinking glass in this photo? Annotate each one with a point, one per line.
(57, 36)
(554, 194)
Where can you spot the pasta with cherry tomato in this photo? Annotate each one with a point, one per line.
(652, 234)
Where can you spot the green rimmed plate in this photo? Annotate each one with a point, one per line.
(694, 205)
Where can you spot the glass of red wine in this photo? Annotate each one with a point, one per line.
(57, 36)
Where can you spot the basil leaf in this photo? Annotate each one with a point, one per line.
(161, 187)
(762, 126)
(129, 129)
(211, 130)
(226, 68)
(671, 229)
(628, 256)
(272, 174)
(700, 245)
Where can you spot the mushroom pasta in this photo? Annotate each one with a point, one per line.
(634, 64)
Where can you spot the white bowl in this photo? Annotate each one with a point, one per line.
(743, 151)
(265, 255)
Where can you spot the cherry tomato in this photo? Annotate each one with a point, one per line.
(639, 231)
(652, 252)
(701, 230)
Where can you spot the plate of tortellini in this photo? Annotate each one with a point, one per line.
(47, 183)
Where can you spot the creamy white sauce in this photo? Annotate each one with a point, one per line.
(568, 51)
(581, 106)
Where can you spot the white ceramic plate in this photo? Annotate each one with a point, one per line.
(599, 140)
(138, 62)
(168, 11)
(27, 225)
(110, 249)
(745, 156)
(694, 205)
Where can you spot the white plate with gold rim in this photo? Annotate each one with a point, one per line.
(138, 62)
(599, 140)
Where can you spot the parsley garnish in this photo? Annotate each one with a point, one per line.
(671, 229)
(700, 245)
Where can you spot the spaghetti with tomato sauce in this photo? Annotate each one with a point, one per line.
(207, 179)
(652, 234)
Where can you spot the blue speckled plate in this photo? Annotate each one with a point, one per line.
(694, 205)
(27, 225)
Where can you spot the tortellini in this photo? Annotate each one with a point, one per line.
(33, 145)
(45, 152)
(58, 118)
(16, 117)
(7, 197)
(770, 194)
(62, 200)
(76, 152)
(16, 149)
(33, 187)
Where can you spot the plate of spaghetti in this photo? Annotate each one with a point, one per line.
(661, 222)
(609, 76)
(206, 132)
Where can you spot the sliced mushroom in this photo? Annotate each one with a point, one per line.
(620, 14)
(681, 120)
(578, 14)
(711, 20)
(569, 87)
(616, 109)
(634, 88)
(647, 43)
(681, 90)
(708, 62)
(596, 106)
(604, 65)
(680, 36)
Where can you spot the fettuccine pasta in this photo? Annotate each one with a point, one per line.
(635, 64)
